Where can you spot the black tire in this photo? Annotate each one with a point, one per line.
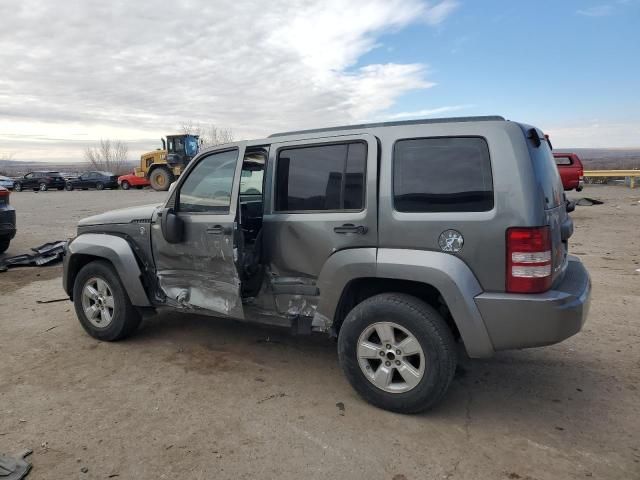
(126, 318)
(125, 185)
(140, 187)
(43, 187)
(68, 187)
(426, 325)
(17, 187)
(161, 178)
(4, 244)
(99, 186)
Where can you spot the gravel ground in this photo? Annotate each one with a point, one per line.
(196, 398)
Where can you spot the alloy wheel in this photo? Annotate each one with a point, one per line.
(98, 302)
(390, 357)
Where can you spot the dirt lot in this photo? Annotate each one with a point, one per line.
(196, 398)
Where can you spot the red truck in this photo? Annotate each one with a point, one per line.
(571, 170)
(132, 180)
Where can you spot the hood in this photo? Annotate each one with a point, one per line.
(123, 215)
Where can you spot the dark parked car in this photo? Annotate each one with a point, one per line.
(96, 179)
(6, 182)
(7, 220)
(41, 180)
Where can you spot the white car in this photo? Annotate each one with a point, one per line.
(6, 182)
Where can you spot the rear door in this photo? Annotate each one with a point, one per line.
(200, 272)
(322, 201)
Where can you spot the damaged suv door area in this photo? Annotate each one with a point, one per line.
(193, 237)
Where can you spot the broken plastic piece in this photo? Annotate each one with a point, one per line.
(15, 467)
(51, 252)
(587, 202)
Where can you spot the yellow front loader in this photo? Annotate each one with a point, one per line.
(161, 167)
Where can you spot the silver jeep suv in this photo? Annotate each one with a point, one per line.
(399, 239)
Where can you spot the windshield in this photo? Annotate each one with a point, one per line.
(191, 146)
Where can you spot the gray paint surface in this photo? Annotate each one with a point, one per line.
(308, 264)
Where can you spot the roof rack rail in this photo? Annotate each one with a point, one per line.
(485, 118)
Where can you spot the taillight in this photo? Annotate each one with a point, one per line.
(528, 260)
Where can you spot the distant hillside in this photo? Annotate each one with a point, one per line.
(606, 158)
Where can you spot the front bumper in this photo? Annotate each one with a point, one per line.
(535, 320)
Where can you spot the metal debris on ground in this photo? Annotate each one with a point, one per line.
(587, 202)
(46, 254)
(15, 467)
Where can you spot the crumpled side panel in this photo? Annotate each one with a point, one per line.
(202, 293)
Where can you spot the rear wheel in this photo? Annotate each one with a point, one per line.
(397, 352)
(4, 244)
(99, 186)
(125, 185)
(43, 187)
(161, 178)
(68, 187)
(102, 304)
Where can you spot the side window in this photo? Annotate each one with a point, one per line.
(208, 186)
(29, 175)
(252, 174)
(563, 160)
(323, 177)
(442, 175)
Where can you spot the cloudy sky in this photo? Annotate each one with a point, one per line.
(80, 70)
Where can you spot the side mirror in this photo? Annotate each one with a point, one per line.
(172, 226)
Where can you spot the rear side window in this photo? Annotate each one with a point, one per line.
(563, 160)
(546, 172)
(323, 177)
(451, 174)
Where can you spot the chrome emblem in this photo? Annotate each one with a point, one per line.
(451, 241)
(142, 231)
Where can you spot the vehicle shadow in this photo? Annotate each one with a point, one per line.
(555, 382)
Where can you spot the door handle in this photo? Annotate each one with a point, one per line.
(350, 228)
(217, 230)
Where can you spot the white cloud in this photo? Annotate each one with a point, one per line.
(136, 70)
(428, 112)
(596, 11)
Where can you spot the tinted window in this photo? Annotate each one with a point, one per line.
(325, 177)
(546, 172)
(208, 187)
(442, 175)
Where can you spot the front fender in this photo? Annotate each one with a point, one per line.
(115, 250)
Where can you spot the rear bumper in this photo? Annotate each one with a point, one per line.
(534, 320)
(8, 223)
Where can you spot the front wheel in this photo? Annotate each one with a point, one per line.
(125, 185)
(43, 187)
(161, 178)
(397, 352)
(17, 187)
(102, 304)
(68, 187)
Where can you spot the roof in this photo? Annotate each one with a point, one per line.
(486, 118)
